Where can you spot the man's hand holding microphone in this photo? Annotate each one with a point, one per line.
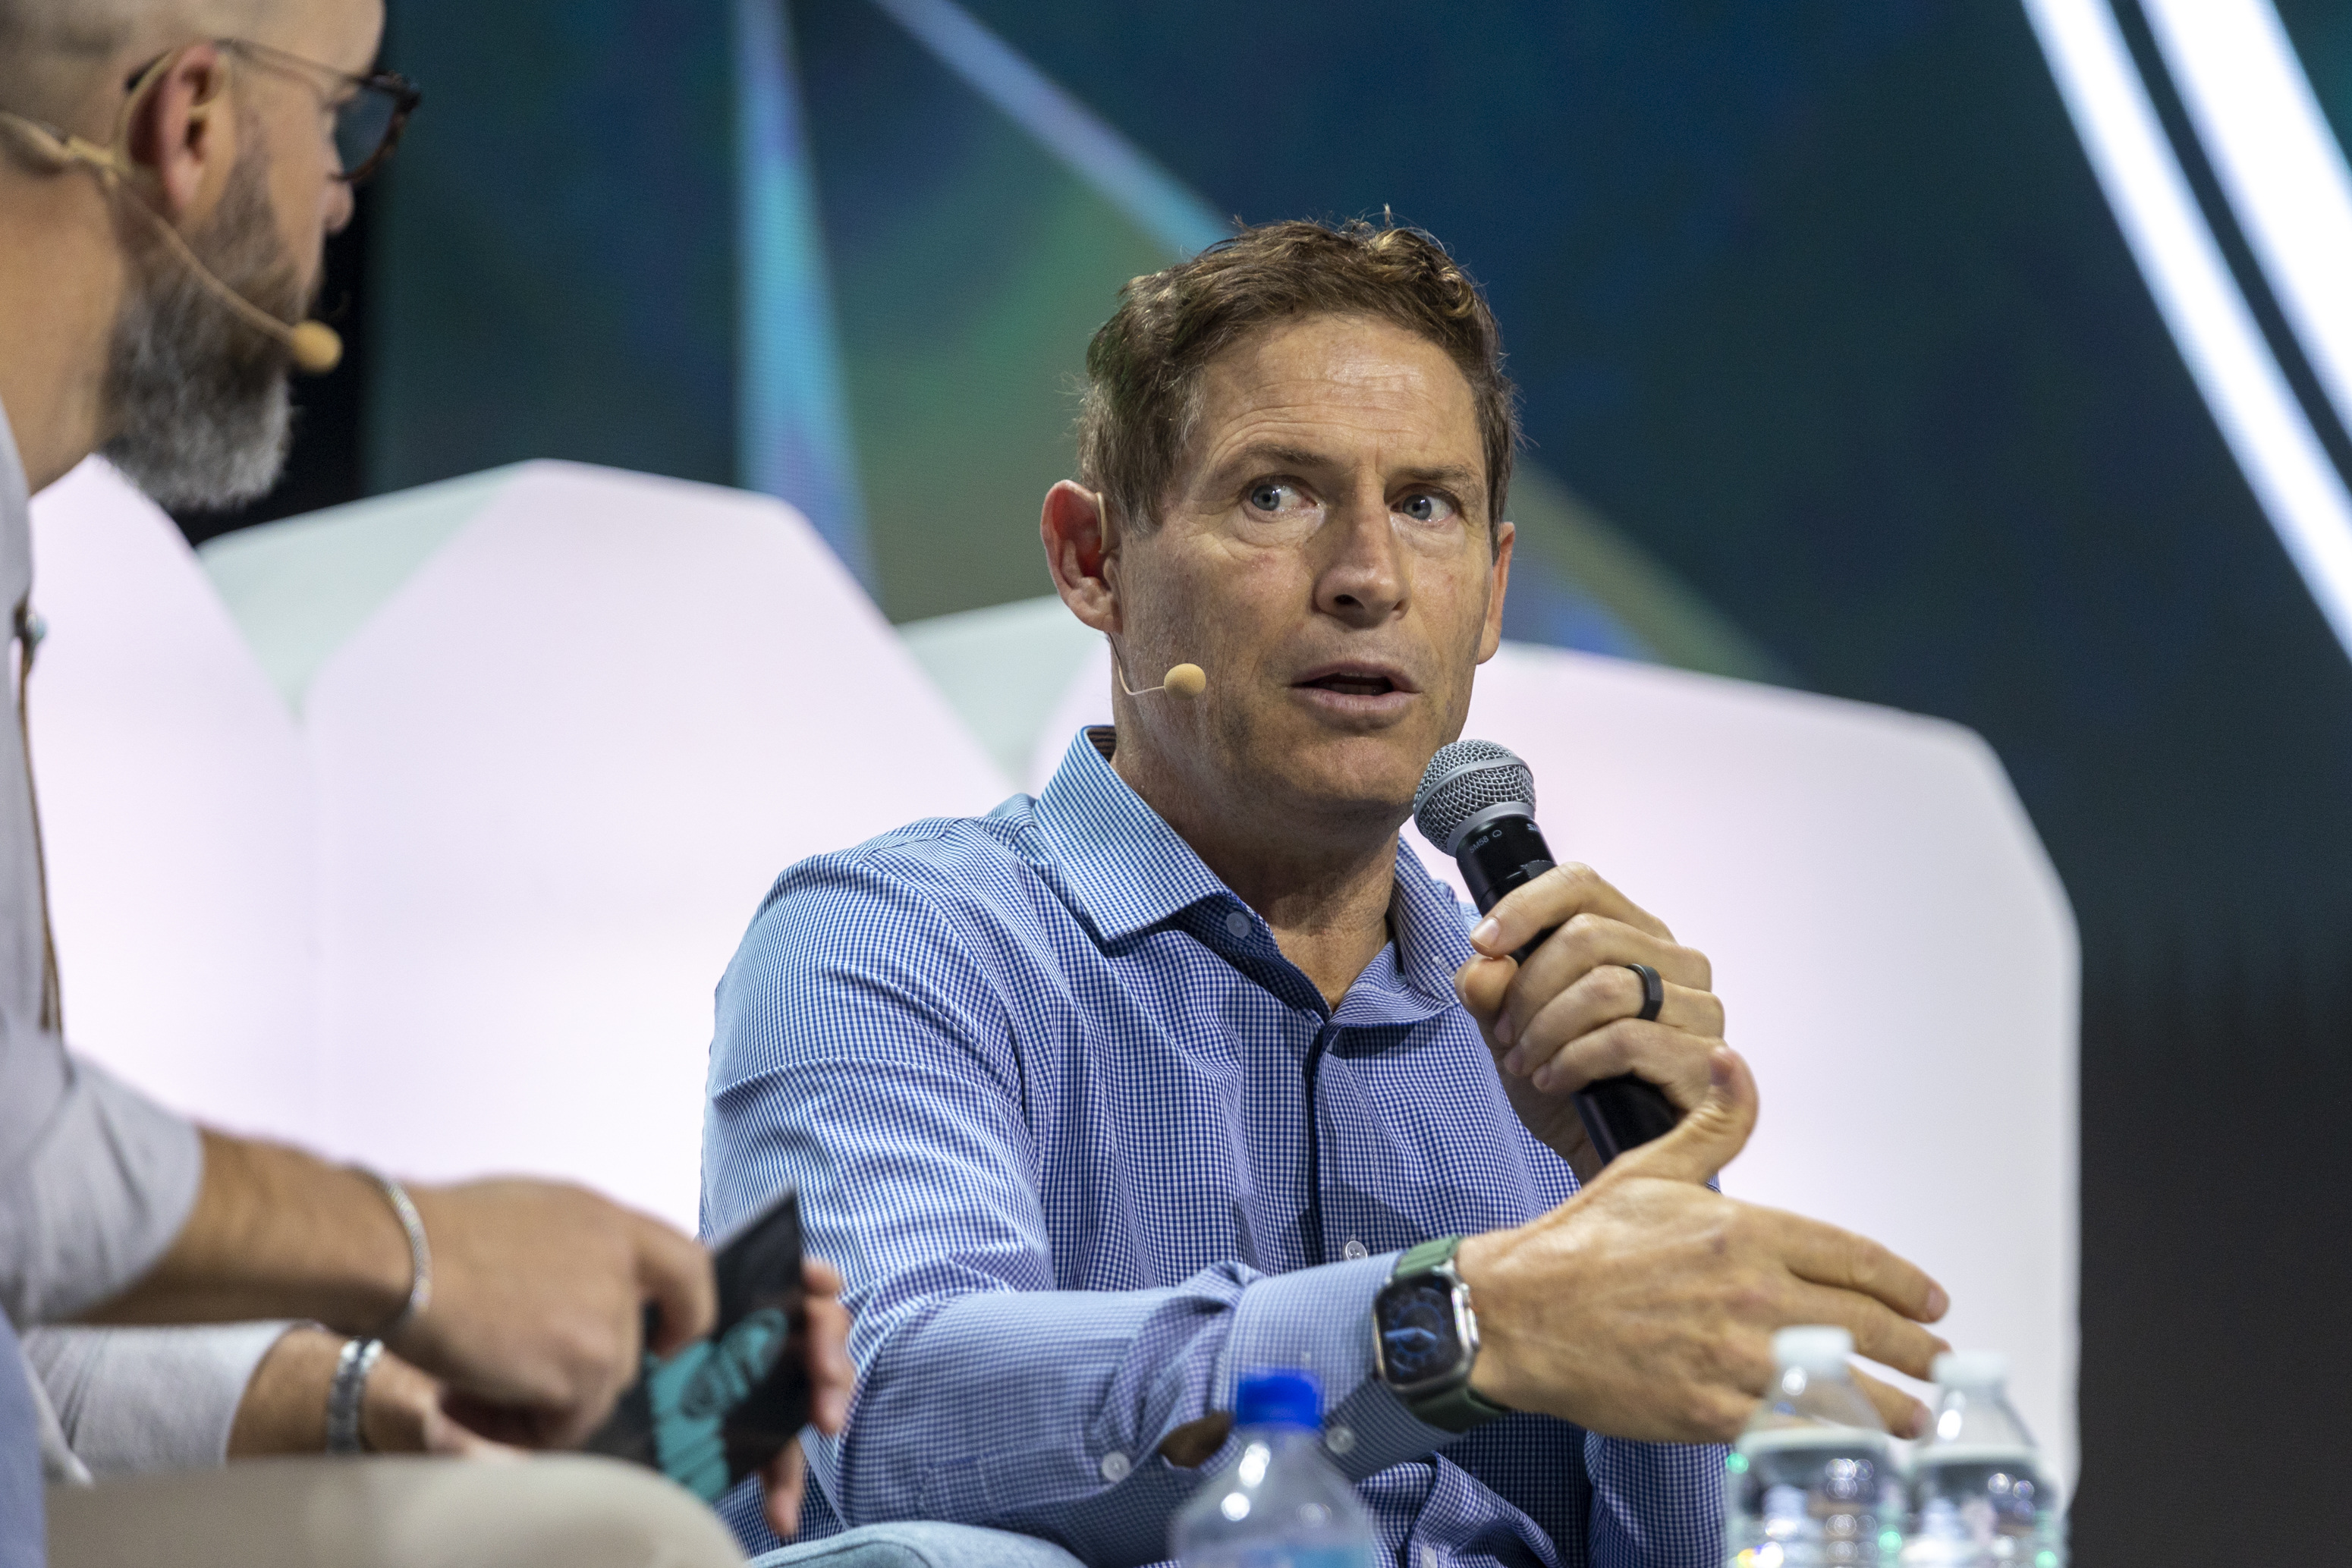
(1644, 1306)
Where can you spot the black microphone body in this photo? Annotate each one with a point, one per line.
(1499, 849)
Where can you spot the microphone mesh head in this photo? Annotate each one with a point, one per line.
(1463, 779)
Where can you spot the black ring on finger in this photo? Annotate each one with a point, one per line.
(1654, 990)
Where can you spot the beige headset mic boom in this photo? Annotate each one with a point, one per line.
(315, 347)
(1182, 681)
(1187, 681)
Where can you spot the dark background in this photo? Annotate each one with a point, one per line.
(1819, 303)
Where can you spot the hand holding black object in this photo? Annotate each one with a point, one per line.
(735, 1405)
(1476, 802)
(1564, 1017)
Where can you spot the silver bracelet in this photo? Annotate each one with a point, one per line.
(345, 1394)
(420, 1255)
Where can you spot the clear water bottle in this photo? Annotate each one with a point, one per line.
(1811, 1483)
(1979, 1498)
(1280, 1504)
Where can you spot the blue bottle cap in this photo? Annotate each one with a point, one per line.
(1280, 1399)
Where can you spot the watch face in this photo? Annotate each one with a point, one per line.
(1419, 1340)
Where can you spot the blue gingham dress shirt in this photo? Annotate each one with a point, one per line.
(1087, 1148)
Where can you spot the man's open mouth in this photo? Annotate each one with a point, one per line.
(1357, 683)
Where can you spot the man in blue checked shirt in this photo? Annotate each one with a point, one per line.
(1177, 1070)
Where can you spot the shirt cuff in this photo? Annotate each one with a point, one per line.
(98, 1199)
(1319, 1320)
(136, 1400)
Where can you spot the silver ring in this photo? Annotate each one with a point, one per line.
(347, 1394)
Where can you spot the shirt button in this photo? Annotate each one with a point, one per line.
(1340, 1440)
(1115, 1468)
(1237, 924)
(1354, 1250)
(1429, 1557)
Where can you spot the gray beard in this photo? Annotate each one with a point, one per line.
(199, 397)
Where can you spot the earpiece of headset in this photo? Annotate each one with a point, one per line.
(61, 150)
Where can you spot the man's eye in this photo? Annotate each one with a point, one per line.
(1273, 495)
(1424, 507)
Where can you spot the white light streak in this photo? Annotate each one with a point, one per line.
(2298, 488)
(2270, 144)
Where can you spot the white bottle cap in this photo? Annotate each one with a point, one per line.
(1817, 1350)
(1971, 1369)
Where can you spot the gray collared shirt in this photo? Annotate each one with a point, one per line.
(95, 1178)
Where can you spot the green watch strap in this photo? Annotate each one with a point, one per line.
(1430, 1254)
(1455, 1409)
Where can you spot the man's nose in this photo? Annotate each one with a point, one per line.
(340, 206)
(1364, 580)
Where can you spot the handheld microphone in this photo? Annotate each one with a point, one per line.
(1478, 803)
(315, 347)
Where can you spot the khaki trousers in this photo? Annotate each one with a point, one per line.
(558, 1511)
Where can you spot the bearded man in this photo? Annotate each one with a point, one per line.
(169, 172)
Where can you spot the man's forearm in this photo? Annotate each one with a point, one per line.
(275, 1233)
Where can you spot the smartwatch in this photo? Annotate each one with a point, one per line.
(1425, 1339)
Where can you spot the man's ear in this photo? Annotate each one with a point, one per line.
(1081, 542)
(1491, 636)
(182, 137)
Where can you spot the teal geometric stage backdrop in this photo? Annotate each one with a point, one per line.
(854, 264)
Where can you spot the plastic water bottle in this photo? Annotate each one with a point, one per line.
(1979, 1498)
(1811, 1483)
(1280, 1504)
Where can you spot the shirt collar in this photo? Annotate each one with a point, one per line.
(1433, 937)
(1125, 870)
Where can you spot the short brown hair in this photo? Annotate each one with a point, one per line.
(1143, 368)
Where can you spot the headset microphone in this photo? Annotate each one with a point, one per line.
(1180, 681)
(315, 347)
(1478, 803)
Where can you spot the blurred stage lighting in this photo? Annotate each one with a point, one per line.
(2236, 70)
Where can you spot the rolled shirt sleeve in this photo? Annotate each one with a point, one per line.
(876, 1074)
(96, 1180)
(134, 1400)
